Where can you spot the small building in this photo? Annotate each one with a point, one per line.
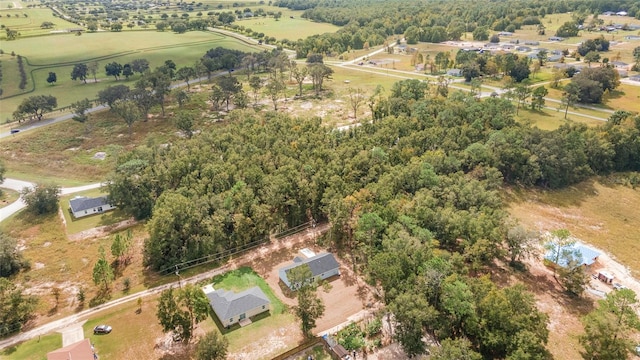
(454, 72)
(605, 276)
(82, 350)
(531, 42)
(232, 308)
(620, 65)
(556, 38)
(622, 13)
(323, 266)
(81, 206)
(585, 255)
(338, 351)
(505, 33)
(635, 78)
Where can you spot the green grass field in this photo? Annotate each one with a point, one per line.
(154, 46)
(30, 25)
(34, 349)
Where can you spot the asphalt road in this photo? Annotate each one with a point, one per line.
(18, 185)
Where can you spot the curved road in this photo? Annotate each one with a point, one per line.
(18, 185)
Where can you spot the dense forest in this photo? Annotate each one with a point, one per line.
(413, 197)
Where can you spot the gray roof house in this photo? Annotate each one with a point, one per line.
(323, 266)
(232, 308)
(81, 206)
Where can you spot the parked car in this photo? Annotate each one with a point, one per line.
(102, 329)
(618, 286)
(13, 131)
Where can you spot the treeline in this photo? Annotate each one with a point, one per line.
(366, 21)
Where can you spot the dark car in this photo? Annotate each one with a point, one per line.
(13, 131)
(102, 329)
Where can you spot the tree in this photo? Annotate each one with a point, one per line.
(636, 57)
(570, 96)
(454, 349)
(179, 27)
(520, 70)
(16, 308)
(299, 73)
(319, 72)
(180, 310)
(591, 56)
(127, 71)
(102, 271)
(522, 93)
(35, 107)
(41, 199)
(230, 86)
(521, 243)
(79, 72)
(52, 78)
(181, 96)
(162, 25)
(80, 109)
(542, 56)
(93, 69)
(609, 327)
(356, 98)
(481, 33)
(47, 25)
(560, 247)
(113, 69)
(11, 259)
(116, 27)
(128, 110)
(186, 73)
(212, 346)
(537, 101)
(255, 83)
(112, 94)
(184, 122)
(310, 306)
(11, 34)
(140, 65)
(121, 247)
(274, 87)
(568, 29)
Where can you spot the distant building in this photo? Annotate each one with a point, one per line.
(232, 308)
(621, 65)
(586, 256)
(82, 206)
(622, 13)
(531, 42)
(323, 266)
(454, 72)
(505, 33)
(556, 38)
(81, 350)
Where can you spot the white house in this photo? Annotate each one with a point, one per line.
(81, 206)
(232, 308)
(323, 266)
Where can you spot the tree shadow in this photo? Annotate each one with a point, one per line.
(101, 297)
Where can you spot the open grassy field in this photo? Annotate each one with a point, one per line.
(30, 25)
(602, 211)
(156, 47)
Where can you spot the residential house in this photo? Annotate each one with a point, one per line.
(82, 350)
(622, 13)
(323, 266)
(81, 206)
(454, 72)
(232, 308)
(621, 65)
(556, 38)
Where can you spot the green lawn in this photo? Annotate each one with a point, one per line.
(287, 28)
(45, 57)
(34, 349)
(75, 226)
(30, 25)
(262, 327)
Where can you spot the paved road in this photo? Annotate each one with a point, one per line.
(69, 320)
(18, 185)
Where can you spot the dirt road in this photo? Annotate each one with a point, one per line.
(287, 242)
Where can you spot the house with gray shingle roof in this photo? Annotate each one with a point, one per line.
(81, 206)
(322, 266)
(232, 308)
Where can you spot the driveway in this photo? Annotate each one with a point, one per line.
(18, 185)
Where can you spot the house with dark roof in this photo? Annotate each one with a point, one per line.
(322, 266)
(232, 308)
(81, 350)
(81, 206)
